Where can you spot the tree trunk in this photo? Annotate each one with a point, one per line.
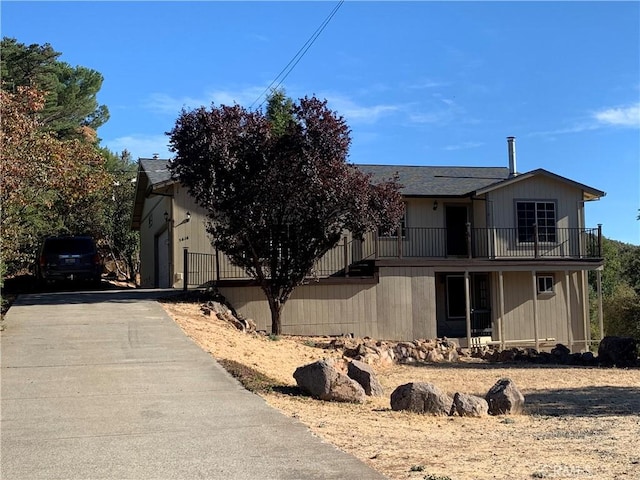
(276, 311)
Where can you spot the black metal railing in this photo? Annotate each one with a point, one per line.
(423, 242)
(492, 243)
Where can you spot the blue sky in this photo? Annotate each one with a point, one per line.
(420, 83)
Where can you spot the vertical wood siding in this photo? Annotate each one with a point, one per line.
(552, 313)
(400, 307)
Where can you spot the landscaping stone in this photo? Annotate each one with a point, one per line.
(469, 405)
(421, 397)
(366, 377)
(321, 379)
(504, 398)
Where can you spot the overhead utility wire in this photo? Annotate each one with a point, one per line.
(298, 56)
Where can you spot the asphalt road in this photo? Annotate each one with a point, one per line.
(104, 385)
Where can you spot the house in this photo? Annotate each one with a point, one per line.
(483, 254)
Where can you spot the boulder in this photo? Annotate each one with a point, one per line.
(618, 351)
(421, 398)
(366, 377)
(504, 398)
(322, 380)
(561, 354)
(469, 405)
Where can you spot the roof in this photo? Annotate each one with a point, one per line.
(156, 170)
(152, 175)
(588, 193)
(428, 181)
(416, 180)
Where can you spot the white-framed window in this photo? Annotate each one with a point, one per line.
(545, 283)
(540, 213)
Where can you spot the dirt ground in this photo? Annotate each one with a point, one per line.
(579, 423)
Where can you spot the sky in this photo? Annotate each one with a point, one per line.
(419, 83)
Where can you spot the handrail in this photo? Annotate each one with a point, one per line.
(491, 243)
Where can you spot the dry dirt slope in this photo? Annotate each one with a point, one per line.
(580, 422)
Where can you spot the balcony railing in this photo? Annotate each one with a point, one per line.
(492, 243)
(417, 242)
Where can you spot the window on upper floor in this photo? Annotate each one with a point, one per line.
(542, 214)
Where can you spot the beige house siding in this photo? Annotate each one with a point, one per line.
(568, 201)
(501, 213)
(400, 307)
(518, 323)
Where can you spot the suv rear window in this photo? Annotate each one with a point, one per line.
(71, 245)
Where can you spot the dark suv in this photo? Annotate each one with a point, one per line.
(69, 258)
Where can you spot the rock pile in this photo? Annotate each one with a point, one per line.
(559, 355)
(503, 398)
(612, 351)
(224, 313)
(385, 353)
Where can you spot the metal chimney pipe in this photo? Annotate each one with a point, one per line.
(511, 146)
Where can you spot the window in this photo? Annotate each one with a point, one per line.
(394, 232)
(545, 283)
(541, 213)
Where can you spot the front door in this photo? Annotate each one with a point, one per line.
(480, 305)
(456, 223)
(455, 311)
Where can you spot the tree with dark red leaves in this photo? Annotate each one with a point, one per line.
(277, 187)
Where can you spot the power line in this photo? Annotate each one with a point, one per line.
(298, 56)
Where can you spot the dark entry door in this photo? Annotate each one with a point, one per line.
(456, 223)
(456, 305)
(480, 305)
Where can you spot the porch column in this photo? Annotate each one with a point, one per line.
(585, 310)
(567, 294)
(600, 314)
(501, 309)
(535, 309)
(467, 306)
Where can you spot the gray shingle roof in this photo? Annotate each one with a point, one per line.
(438, 181)
(416, 180)
(156, 170)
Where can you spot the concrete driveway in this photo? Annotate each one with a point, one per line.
(104, 385)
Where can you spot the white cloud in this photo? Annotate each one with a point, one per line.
(427, 84)
(357, 113)
(628, 116)
(463, 146)
(164, 103)
(141, 146)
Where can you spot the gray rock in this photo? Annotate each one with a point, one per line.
(618, 351)
(322, 380)
(366, 377)
(469, 405)
(421, 398)
(504, 398)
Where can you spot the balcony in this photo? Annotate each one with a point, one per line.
(356, 258)
(487, 243)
